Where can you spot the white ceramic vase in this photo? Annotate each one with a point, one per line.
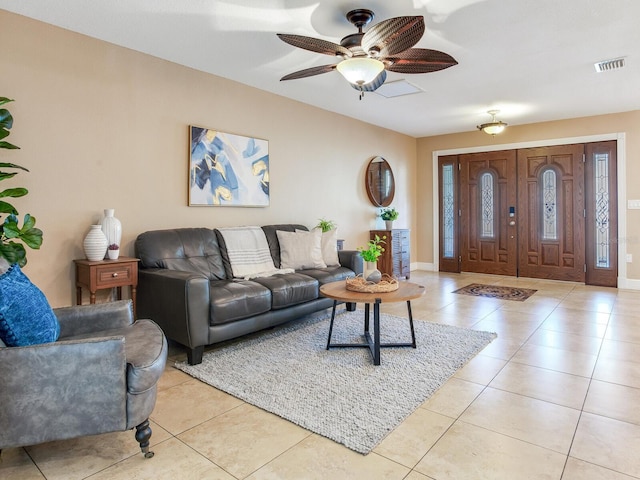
(371, 272)
(113, 254)
(95, 243)
(112, 229)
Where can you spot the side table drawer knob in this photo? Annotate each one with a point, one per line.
(115, 274)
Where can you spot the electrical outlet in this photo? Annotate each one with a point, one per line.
(633, 204)
(629, 258)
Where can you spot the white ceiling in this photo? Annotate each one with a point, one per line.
(530, 59)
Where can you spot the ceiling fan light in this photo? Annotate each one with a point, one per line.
(360, 70)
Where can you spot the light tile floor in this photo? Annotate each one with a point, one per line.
(555, 396)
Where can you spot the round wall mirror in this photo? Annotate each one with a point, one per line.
(379, 182)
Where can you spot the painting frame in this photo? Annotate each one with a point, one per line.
(227, 169)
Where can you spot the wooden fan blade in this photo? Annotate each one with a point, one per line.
(316, 45)
(419, 60)
(373, 84)
(309, 72)
(393, 36)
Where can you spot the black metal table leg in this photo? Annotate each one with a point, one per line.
(413, 333)
(366, 318)
(333, 317)
(376, 333)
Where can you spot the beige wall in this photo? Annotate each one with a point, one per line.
(101, 126)
(622, 123)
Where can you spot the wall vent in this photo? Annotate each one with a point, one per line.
(607, 65)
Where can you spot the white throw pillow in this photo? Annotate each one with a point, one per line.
(330, 248)
(300, 250)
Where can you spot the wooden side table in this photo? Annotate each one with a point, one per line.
(101, 274)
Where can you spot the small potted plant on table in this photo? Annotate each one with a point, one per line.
(389, 215)
(113, 251)
(370, 255)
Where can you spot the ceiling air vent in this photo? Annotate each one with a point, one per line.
(607, 65)
(397, 88)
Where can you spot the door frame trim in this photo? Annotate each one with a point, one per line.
(620, 137)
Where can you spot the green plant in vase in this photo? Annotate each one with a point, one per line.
(10, 229)
(373, 249)
(326, 225)
(370, 254)
(389, 215)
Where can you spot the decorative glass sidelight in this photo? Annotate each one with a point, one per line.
(603, 202)
(448, 212)
(549, 205)
(486, 204)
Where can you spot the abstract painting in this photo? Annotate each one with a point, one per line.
(227, 169)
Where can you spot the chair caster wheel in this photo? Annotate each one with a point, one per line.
(149, 455)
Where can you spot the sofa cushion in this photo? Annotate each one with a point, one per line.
(26, 318)
(186, 249)
(232, 300)
(301, 249)
(329, 274)
(290, 289)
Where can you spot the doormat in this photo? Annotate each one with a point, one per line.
(496, 291)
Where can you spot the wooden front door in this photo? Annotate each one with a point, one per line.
(551, 204)
(548, 212)
(488, 242)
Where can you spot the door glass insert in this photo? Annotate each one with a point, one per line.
(448, 211)
(486, 204)
(549, 205)
(602, 199)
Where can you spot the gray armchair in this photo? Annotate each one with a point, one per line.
(100, 376)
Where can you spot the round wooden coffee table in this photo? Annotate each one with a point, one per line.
(406, 292)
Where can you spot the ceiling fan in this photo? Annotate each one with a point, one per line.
(366, 57)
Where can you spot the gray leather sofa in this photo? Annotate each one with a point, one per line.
(186, 285)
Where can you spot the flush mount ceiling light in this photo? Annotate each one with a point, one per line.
(494, 127)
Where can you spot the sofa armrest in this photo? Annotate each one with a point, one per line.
(178, 301)
(83, 319)
(352, 260)
(62, 390)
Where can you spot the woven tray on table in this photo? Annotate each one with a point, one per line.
(359, 284)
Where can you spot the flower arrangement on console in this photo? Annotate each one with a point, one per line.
(389, 214)
(373, 249)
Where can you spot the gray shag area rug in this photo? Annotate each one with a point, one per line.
(339, 393)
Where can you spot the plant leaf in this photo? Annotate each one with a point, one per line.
(4, 100)
(6, 120)
(12, 165)
(5, 175)
(32, 238)
(7, 208)
(14, 192)
(14, 253)
(9, 146)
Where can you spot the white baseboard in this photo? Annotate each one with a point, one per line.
(428, 267)
(628, 284)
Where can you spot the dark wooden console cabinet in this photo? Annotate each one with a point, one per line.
(396, 259)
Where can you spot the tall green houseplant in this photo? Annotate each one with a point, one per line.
(10, 231)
